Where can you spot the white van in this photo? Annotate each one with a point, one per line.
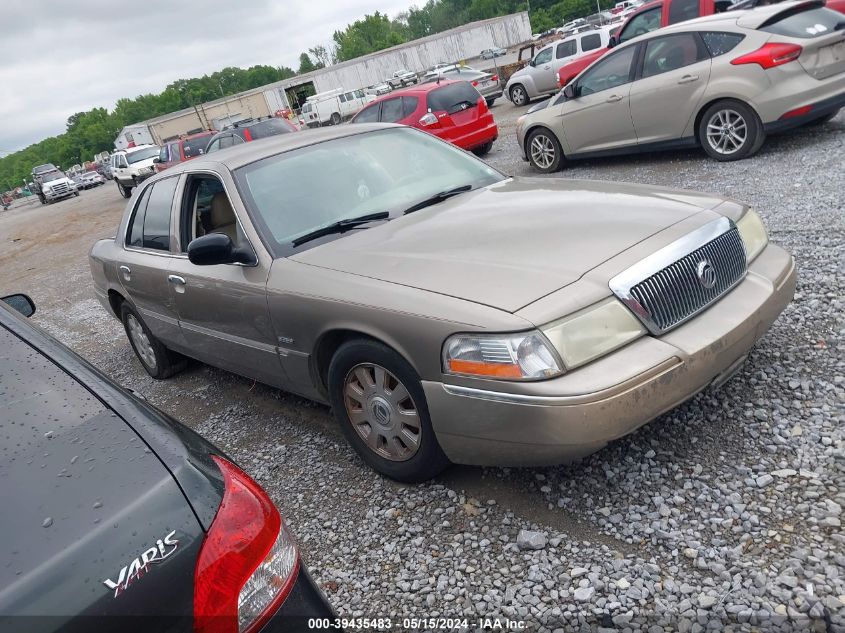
(540, 76)
(333, 106)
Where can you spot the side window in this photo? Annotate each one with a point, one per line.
(409, 106)
(682, 10)
(226, 141)
(721, 43)
(162, 154)
(613, 71)
(207, 209)
(360, 94)
(368, 114)
(135, 232)
(175, 153)
(213, 146)
(157, 216)
(590, 42)
(391, 110)
(640, 24)
(543, 57)
(236, 139)
(664, 54)
(343, 98)
(566, 49)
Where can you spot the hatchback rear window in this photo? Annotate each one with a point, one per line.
(453, 98)
(270, 127)
(799, 22)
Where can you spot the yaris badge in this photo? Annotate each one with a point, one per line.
(706, 274)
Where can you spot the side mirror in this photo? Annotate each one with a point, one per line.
(217, 248)
(531, 63)
(157, 159)
(569, 91)
(613, 42)
(22, 303)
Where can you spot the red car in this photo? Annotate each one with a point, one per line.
(451, 110)
(655, 15)
(185, 148)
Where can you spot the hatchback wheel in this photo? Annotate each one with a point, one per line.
(124, 191)
(379, 402)
(730, 130)
(157, 360)
(518, 95)
(544, 151)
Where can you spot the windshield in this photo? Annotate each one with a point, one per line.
(53, 176)
(142, 154)
(385, 170)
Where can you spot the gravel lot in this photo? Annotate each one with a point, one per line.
(725, 512)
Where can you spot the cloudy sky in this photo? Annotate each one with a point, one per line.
(58, 57)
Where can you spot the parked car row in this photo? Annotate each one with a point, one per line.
(721, 82)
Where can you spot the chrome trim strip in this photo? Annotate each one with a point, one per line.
(160, 317)
(509, 398)
(230, 338)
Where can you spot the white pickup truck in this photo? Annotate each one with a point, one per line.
(132, 166)
(402, 78)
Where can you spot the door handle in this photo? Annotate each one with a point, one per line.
(176, 279)
(614, 98)
(546, 67)
(126, 272)
(688, 79)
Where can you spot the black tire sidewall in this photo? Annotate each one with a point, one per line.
(164, 366)
(558, 161)
(429, 459)
(124, 190)
(524, 95)
(754, 140)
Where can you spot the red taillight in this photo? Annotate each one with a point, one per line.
(770, 55)
(248, 561)
(494, 78)
(429, 119)
(798, 112)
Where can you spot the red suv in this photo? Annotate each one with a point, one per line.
(451, 110)
(185, 148)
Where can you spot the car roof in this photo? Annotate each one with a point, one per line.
(417, 89)
(243, 154)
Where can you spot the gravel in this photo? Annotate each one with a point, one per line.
(725, 511)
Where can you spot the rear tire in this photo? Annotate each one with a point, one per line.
(158, 361)
(335, 118)
(519, 97)
(823, 119)
(483, 150)
(392, 429)
(544, 151)
(126, 192)
(490, 102)
(730, 130)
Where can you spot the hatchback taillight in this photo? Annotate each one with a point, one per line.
(770, 55)
(248, 561)
(428, 119)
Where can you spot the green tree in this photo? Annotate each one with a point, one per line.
(372, 33)
(305, 64)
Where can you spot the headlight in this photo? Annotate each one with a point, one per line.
(523, 356)
(753, 234)
(593, 332)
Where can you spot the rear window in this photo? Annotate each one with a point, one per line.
(590, 42)
(721, 43)
(805, 24)
(270, 127)
(196, 146)
(454, 97)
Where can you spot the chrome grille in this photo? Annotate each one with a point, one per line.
(60, 188)
(664, 296)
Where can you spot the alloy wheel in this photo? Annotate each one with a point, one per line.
(141, 342)
(382, 412)
(542, 151)
(518, 95)
(727, 132)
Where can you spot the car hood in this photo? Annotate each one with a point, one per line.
(512, 243)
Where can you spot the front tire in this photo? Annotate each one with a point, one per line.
(158, 361)
(126, 192)
(730, 130)
(379, 402)
(519, 97)
(544, 151)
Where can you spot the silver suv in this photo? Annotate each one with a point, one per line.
(539, 77)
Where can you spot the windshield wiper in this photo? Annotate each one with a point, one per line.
(438, 197)
(341, 226)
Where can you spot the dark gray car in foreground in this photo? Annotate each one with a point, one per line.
(118, 518)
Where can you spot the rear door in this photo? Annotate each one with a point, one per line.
(146, 256)
(222, 309)
(672, 79)
(599, 117)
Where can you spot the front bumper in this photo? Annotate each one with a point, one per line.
(554, 421)
(305, 602)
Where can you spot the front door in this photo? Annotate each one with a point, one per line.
(146, 257)
(222, 308)
(674, 75)
(599, 117)
(542, 70)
